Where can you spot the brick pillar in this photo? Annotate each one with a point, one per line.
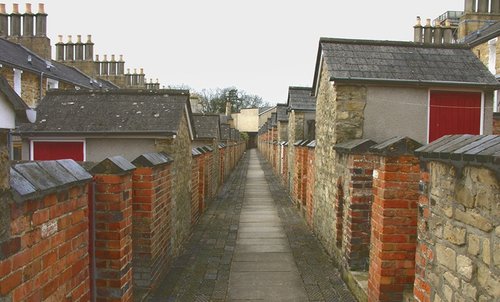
(113, 229)
(394, 220)
(151, 220)
(310, 183)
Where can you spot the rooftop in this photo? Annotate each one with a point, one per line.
(207, 126)
(300, 98)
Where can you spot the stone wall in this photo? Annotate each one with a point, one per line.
(496, 122)
(339, 118)
(44, 234)
(458, 252)
(30, 85)
(180, 150)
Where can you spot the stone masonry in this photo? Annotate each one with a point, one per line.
(180, 150)
(458, 252)
(339, 117)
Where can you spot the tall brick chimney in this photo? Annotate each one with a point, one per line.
(418, 31)
(28, 21)
(79, 49)
(70, 49)
(60, 49)
(15, 21)
(89, 49)
(4, 21)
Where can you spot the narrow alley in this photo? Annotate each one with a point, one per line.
(252, 245)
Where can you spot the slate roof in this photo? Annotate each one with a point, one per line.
(119, 112)
(225, 132)
(264, 109)
(300, 98)
(15, 100)
(281, 109)
(403, 63)
(484, 34)
(18, 56)
(207, 126)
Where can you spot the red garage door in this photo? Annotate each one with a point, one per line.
(58, 150)
(454, 113)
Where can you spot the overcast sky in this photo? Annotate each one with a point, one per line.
(260, 46)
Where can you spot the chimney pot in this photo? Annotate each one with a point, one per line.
(89, 38)
(79, 39)
(2, 8)
(121, 58)
(419, 21)
(28, 8)
(97, 58)
(15, 8)
(428, 22)
(60, 38)
(105, 58)
(142, 70)
(41, 8)
(151, 80)
(113, 58)
(69, 39)
(135, 70)
(128, 70)
(157, 81)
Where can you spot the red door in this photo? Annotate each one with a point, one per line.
(58, 150)
(454, 113)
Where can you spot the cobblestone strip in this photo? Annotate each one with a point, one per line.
(201, 273)
(321, 279)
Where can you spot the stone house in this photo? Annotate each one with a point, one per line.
(377, 90)
(301, 107)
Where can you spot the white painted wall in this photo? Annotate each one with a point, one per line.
(7, 114)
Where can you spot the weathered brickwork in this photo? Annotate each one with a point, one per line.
(310, 187)
(44, 247)
(113, 236)
(339, 118)
(393, 227)
(458, 253)
(151, 221)
(496, 123)
(180, 150)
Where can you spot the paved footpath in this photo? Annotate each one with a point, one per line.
(252, 245)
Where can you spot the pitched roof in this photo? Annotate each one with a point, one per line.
(20, 57)
(206, 125)
(482, 35)
(281, 110)
(15, 100)
(118, 111)
(300, 98)
(404, 63)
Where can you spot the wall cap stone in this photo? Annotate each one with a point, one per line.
(496, 115)
(396, 146)
(37, 179)
(195, 152)
(113, 165)
(357, 146)
(466, 147)
(312, 144)
(152, 160)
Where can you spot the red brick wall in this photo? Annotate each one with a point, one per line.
(299, 175)
(310, 187)
(46, 258)
(195, 190)
(151, 220)
(496, 123)
(284, 175)
(113, 245)
(394, 228)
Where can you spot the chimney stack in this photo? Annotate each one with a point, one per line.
(70, 49)
(28, 22)
(41, 21)
(495, 6)
(104, 66)
(15, 21)
(128, 78)
(112, 66)
(470, 6)
(134, 78)
(482, 6)
(60, 49)
(228, 108)
(89, 49)
(4, 21)
(141, 76)
(120, 68)
(428, 32)
(79, 53)
(418, 31)
(97, 65)
(448, 33)
(438, 34)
